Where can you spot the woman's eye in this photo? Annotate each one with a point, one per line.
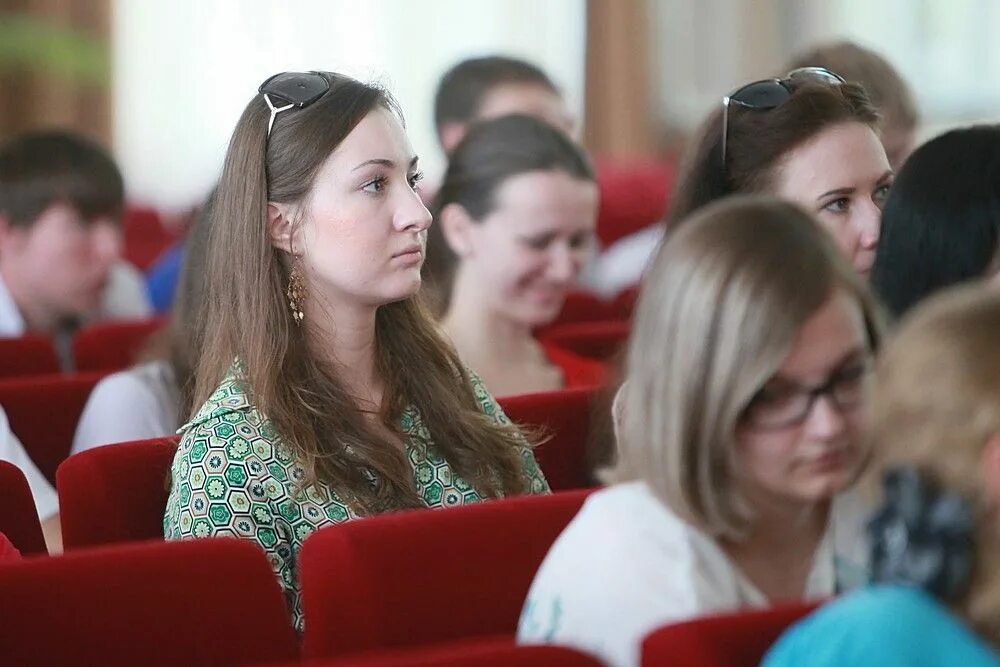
(881, 193)
(415, 179)
(838, 205)
(580, 241)
(374, 186)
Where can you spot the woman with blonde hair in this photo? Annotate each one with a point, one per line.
(741, 430)
(936, 557)
(326, 391)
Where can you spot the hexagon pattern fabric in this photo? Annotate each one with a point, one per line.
(233, 476)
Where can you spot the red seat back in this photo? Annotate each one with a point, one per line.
(633, 195)
(563, 416)
(112, 346)
(43, 412)
(594, 340)
(18, 514)
(426, 576)
(728, 640)
(488, 653)
(209, 602)
(28, 355)
(145, 236)
(115, 493)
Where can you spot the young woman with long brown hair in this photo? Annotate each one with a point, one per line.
(326, 391)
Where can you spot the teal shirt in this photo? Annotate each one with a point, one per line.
(881, 626)
(233, 476)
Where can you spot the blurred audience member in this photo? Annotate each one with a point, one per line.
(514, 223)
(60, 237)
(492, 86)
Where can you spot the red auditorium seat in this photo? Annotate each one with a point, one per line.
(198, 603)
(145, 236)
(112, 346)
(28, 355)
(427, 576)
(633, 195)
(487, 653)
(563, 416)
(18, 515)
(43, 412)
(727, 640)
(594, 340)
(115, 493)
(584, 307)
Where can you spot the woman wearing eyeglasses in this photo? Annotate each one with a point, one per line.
(810, 138)
(740, 433)
(326, 392)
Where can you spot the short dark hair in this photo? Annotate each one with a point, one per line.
(461, 90)
(488, 155)
(941, 222)
(885, 86)
(758, 140)
(39, 169)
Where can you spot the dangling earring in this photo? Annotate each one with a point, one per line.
(296, 292)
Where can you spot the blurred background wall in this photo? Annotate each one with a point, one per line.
(163, 82)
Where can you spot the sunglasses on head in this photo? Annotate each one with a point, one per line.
(292, 90)
(771, 94)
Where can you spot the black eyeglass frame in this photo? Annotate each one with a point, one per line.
(770, 94)
(296, 89)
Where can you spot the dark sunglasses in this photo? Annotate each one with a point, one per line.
(771, 93)
(295, 90)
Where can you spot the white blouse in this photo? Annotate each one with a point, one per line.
(626, 565)
(135, 404)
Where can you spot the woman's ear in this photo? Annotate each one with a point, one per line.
(990, 464)
(457, 227)
(280, 227)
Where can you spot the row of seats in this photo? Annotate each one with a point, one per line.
(112, 346)
(105, 347)
(118, 493)
(43, 412)
(383, 588)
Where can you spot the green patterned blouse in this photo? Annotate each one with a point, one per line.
(233, 476)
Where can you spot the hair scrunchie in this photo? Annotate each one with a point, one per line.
(921, 536)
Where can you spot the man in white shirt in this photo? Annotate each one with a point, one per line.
(60, 237)
(46, 501)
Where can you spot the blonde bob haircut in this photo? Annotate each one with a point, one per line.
(719, 311)
(935, 406)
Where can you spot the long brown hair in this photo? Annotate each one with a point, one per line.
(247, 319)
(758, 140)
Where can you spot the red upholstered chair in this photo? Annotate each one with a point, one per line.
(488, 653)
(198, 603)
(145, 236)
(43, 412)
(584, 307)
(633, 195)
(18, 515)
(112, 346)
(594, 340)
(426, 576)
(727, 640)
(563, 416)
(115, 493)
(28, 355)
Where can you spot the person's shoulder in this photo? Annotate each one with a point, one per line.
(882, 625)
(229, 403)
